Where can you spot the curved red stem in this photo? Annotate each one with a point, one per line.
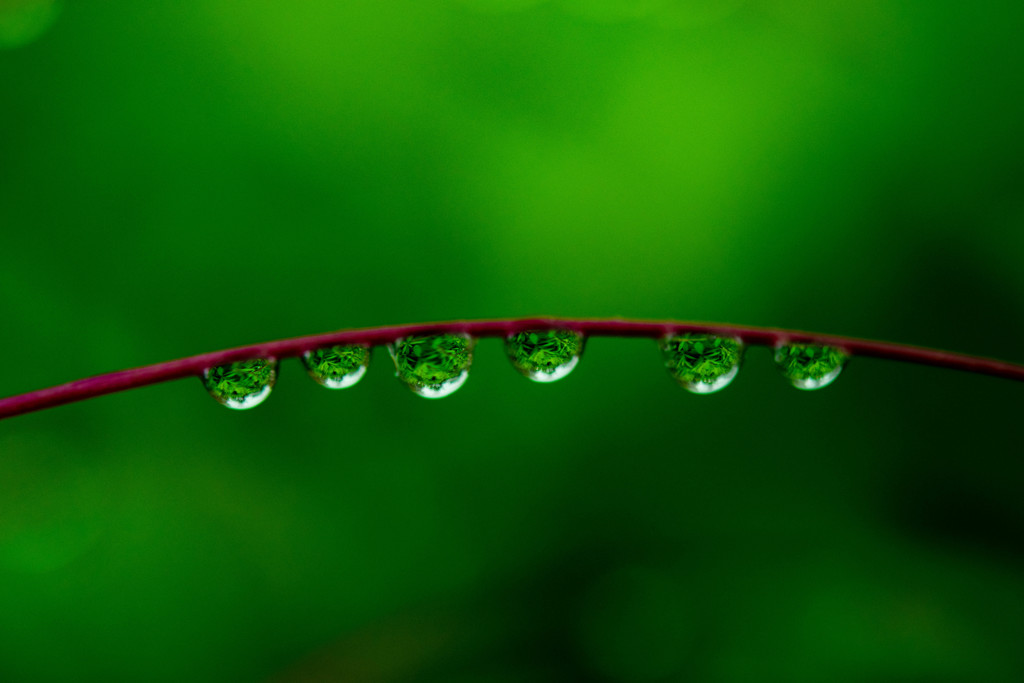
(121, 380)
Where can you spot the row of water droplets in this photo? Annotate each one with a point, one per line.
(436, 365)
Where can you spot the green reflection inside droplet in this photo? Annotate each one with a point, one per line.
(544, 355)
(243, 384)
(433, 365)
(337, 367)
(810, 366)
(22, 21)
(702, 363)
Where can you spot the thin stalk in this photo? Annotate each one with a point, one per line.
(194, 366)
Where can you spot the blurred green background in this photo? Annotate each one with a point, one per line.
(182, 177)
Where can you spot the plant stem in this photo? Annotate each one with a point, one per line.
(757, 336)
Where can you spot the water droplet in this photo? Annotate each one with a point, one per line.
(544, 355)
(337, 367)
(809, 366)
(702, 363)
(433, 365)
(241, 385)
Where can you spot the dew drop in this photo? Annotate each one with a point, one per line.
(544, 355)
(241, 385)
(810, 366)
(337, 367)
(702, 363)
(433, 365)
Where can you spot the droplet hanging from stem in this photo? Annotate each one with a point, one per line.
(545, 355)
(810, 366)
(702, 363)
(243, 384)
(433, 365)
(337, 367)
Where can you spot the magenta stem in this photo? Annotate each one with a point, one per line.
(192, 366)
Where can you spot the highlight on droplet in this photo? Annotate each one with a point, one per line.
(337, 367)
(243, 384)
(433, 365)
(702, 363)
(810, 366)
(545, 355)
